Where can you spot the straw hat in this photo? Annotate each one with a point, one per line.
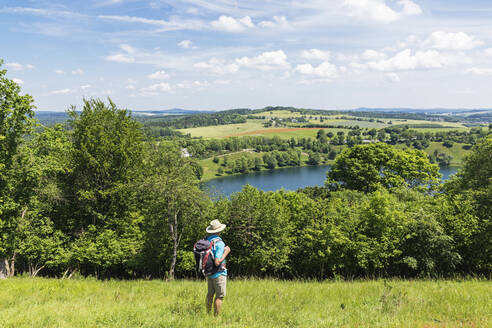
(215, 226)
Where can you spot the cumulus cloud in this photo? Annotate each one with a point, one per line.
(217, 66)
(222, 82)
(378, 10)
(479, 71)
(77, 71)
(392, 77)
(201, 83)
(316, 54)
(410, 8)
(155, 89)
(18, 67)
(185, 44)
(62, 92)
(85, 86)
(18, 81)
(370, 54)
(451, 41)
(324, 70)
(230, 24)
(159, 75)
(59, 72)
(277, 21)
(266, 61)
(488, 52)
(429, 59)
(121, 58)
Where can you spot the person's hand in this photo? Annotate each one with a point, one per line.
(227, 248)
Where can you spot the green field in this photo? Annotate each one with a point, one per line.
(253, 128)
(223, 131)
(38, 302)
(456, 151)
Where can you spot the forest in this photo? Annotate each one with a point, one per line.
(99, 197)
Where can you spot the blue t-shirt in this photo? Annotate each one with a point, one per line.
(218, 252)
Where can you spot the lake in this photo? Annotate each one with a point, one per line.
(291, 178)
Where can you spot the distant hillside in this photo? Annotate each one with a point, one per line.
(49, 118)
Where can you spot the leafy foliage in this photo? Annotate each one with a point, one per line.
(368, 167)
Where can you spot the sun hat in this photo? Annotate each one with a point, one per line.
(215, 226)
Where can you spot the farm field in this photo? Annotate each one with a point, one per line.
(223, 131)
(456, 151)
(39, 302)
(254, 127)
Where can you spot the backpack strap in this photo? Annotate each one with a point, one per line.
(214, 240)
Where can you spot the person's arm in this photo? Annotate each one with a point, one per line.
(218, 261)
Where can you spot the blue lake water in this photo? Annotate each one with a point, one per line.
(291, 178)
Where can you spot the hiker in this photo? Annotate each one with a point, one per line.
(217, 281)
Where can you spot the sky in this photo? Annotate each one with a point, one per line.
(222, 54)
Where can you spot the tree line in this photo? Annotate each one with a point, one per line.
(98, 198)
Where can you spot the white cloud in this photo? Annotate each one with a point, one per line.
(156, 57)
(59, 72)
(315, 54)
(488, 52)
(451, 41)
(429, 59)
(201, 83)
(121, 58)
(410, 7)
(277, 21)
(358, 66)
(370, 54)
(217, 66)
(77, 71)
(18, 67)
(85, 86)
(265, 61)
(392, 77)
(41, 12)
(378, 10)
(222, 82)
(479, 71)
(325, 70)
(159, 75)
(62, 92)
(130, 87)
(18, 81)
(185, 44)
(154, 89)
(230, 24)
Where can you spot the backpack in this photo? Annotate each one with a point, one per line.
(204, 256)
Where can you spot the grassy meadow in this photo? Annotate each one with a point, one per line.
(39, 302)
(456, 151)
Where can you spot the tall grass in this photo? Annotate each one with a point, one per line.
(42, 302)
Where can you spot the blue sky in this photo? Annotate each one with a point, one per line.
(219, 54)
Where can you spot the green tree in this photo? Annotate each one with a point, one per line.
(314, 158)
(260, 233)
(107, 156)
(16, 120)
(173, 202)
(467, 212)
(367, 167)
